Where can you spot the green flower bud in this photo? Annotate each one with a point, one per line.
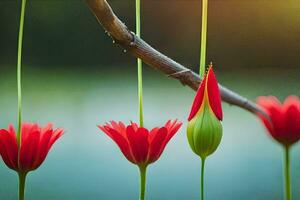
(204, 132)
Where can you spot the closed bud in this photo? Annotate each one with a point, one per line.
(204, 130)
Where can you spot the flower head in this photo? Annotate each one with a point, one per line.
(284, 119)
(204, 128)
(34, 147)
(139, 145)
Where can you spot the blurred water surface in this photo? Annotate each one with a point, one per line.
(73, 77)
(86, 164)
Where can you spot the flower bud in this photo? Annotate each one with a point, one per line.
(204, 130)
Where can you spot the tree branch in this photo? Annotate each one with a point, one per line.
(117, 30)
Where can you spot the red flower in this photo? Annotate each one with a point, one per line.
(35, 145)
(284, 123)
(139, 145)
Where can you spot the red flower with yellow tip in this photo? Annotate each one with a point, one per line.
(204, 128)
(139, 145)
(35, 144)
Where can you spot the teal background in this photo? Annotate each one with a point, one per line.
(86, 164)
(76, 78)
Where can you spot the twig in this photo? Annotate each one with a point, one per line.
(117, 30)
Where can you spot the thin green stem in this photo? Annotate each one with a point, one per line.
(202, 177)
(22, 176)
(138, 17)
(19, 65)
(143, 177)
(22, 183)
(203, 38)
(139, 63)
(287, 173)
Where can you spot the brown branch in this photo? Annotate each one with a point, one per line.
(116, 29)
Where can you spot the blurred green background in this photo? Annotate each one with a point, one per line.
(75, 77)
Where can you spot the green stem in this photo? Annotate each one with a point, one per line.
(143, 176)
(139, 63)
(20, 45)
(22, 182)
(203, 38)
(202, 177)
(288, 191)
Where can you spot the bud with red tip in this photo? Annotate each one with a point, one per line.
(204, 128)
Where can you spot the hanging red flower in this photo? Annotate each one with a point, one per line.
(284, 119)
(139, 145)
(35, 144)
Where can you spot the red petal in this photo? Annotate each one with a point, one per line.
(278, 121)
(48, 127)
(139, 144)
(48, 138)
(172, 130)
(115, 126)
(291, 101)
(277, 126)
(152, 134)
(9, 148)
(292, 119)
(120, 140)
(134, 126)
(268, 102)
(156, 144)
(122, 129)
(106, 129)
(57, 133)
(198, 99)
(29, 150)
(26, 129)
(263, 102)
(43, 148)
(168, 123)
(213, 92)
